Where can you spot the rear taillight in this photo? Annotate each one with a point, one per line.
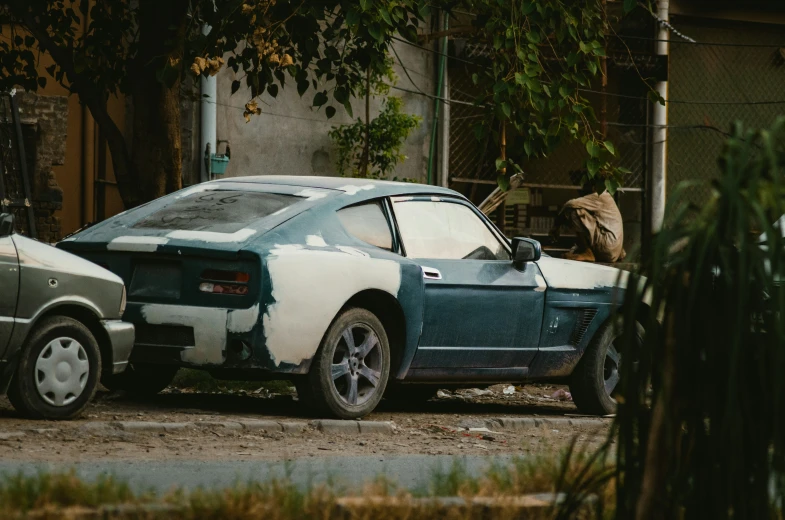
(224, 282)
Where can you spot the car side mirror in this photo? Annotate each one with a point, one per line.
(6, 224)
(525, 250)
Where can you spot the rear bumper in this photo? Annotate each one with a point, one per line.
(121, 338)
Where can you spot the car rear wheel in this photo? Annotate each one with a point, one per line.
(351, 367)
(598, 374)
(58, 371)
(141, 379)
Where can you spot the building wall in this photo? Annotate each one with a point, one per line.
(290, 137)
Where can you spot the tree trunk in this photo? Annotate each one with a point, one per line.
(156, 152)
(363, 170)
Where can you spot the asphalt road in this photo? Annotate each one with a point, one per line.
(410, 471)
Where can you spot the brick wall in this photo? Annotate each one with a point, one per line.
(45, 126)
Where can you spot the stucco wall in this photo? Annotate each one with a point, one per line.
(290, 137)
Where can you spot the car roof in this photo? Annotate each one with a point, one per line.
(342, 184)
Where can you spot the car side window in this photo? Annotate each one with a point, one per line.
(445, 230)
(368, 223)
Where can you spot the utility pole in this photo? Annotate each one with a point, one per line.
(659, 136)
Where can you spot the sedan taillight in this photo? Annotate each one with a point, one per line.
(224, 282)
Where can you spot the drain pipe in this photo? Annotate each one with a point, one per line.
(209, 110)
(437, 102)
(659, 134)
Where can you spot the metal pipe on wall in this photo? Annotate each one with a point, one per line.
(209, 113)
(444, 126)
(659, 134)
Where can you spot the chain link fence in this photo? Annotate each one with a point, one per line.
(733, 73)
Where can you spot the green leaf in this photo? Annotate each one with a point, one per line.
(272, 89)
(302, 86)
(500, 164)
(585, 48)
(611, 185)
(507, 109)
(320, 99)
(235, 86)
(629, 5)
(348, 107)
(520, 78)
(593, 149)
(528, 8)
(375, 30)
(475, 78)
(386, 16)
(51, 70)
(41, 81)
(504, 182)
(593, 166)
(592, 67)
(609, 146)
(527, 147)
(365, 4)
(352, 18)
(330, 111)
(533, 37)
(546, 89)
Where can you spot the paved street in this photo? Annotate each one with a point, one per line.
(192, 439)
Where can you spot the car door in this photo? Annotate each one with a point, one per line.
(9, 289)
(480, 312)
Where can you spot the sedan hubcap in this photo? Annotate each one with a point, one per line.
(357, 365)
(611, 369)
(61, 371)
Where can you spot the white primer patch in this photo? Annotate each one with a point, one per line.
(309, 287)
(353, 251)
(435, 199)
(242, 320)
(351, 189)
(211, 236)
(541, 285)
(315, 241)
(311, 194)
(136, 244)
(210, 327)
(194, 189)
(279, 211)
(568, 274)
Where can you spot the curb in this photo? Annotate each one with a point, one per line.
(526, 423)
(326, 426)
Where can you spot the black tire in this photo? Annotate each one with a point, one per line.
(411, 393)
(304, 391)
(333, 397)
(592, 383)
(141, 379)
(75, 343)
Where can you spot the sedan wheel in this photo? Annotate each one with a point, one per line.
(58, 371)
(352, 365)
(61, 371)
(611, 369)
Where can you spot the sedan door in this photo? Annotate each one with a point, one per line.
(9, 289)
(482, 316)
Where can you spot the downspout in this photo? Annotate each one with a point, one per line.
(87, 172)
(444, 129)
(209, 112)
(659, 134)
(437, 102)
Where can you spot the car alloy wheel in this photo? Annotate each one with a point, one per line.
(611, 369)
(61, 371)
(357, 365)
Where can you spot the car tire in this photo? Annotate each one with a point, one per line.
(355, 348)
(141, 379)
(597, 375)
(59, 369)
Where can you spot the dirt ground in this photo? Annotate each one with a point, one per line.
(426, 428)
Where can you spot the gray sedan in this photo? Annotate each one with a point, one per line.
(60, 326)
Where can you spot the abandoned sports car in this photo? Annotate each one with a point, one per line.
(353, 289)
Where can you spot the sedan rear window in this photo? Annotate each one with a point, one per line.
(368, 223)
(219, 211)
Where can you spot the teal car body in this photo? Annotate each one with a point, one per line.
(298, 250)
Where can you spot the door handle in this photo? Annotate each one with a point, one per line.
(429, 273)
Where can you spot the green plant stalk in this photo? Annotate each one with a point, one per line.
(437, 101)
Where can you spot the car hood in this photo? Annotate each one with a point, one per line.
(34, 254)
(569, 274)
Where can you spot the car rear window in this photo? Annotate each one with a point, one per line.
(219, 211)
(368, 223)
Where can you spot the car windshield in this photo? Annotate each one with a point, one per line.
(220, 211)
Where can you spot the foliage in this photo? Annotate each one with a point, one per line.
(710, 441)
(386, 134)
(544, 55)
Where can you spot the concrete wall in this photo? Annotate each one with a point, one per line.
(290, 137)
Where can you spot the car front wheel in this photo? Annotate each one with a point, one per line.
(351, 367)
(597, 377)
(58, 371)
